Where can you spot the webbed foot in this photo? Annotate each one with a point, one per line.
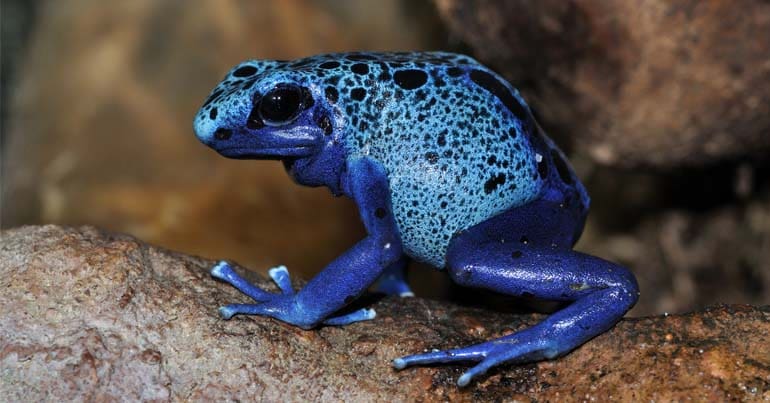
(282, 306)
(522, 346)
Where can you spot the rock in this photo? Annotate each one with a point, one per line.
(89, 315)
(653, 84)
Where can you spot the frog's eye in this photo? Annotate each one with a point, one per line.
(281, 104)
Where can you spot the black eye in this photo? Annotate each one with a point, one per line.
(281, 104)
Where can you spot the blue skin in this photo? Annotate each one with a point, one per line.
(447, 166)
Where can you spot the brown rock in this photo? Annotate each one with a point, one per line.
(87, 315)
(656, 83)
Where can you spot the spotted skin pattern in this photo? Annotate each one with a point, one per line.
(447, 166)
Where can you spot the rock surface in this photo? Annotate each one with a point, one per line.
(656, 83)
(88, 315)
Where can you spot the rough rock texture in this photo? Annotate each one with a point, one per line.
(87, 315)
(654, 83)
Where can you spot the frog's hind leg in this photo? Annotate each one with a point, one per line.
(393, 280)
(602, 292)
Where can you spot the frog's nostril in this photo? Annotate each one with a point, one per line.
(223, 134)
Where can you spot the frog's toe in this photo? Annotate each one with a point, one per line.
(223, 271)
(228, 311)
(440, 357)
(355, 316)
(280, 275)
(515, 348)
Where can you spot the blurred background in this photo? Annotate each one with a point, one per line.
(664, 108)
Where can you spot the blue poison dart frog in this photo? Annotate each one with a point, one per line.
(447, 166)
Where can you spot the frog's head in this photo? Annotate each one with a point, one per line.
(263, 110)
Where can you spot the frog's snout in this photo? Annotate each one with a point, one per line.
(211, 131)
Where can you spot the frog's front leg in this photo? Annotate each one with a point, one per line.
(344, 279)
(602, 292)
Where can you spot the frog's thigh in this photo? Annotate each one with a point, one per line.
(602, 291)
(540, 222)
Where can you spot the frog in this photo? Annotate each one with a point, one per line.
(448, 166)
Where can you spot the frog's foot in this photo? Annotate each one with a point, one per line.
(281, 306)
(518, 347)
(392, 281)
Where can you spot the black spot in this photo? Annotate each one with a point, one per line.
(441, 139)
(333, 80)
(498, 89)
(326, 125)
(438, 81)
(516, 254)
(223, 134)
(561, 167)
(492, 183)
(491, 160)
(454, 71)
(245, 71)
(248, 84)
(360, 68)
(380, 212)
(432, 157)
(329, 65)
(512, 132)
(524, 240)
(410, 79)
(214, 95)
(331, 94)
(213, 113)
(358, 94)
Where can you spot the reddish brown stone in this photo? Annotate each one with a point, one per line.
(87, 315)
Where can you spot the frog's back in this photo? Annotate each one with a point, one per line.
(458, 142)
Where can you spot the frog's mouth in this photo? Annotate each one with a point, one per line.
(275, 153)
